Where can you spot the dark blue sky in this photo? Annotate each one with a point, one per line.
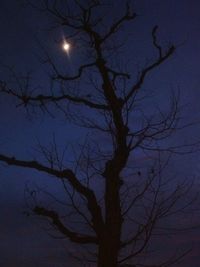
(23, 240)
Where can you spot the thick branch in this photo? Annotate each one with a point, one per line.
(146, 70)
(67, 174)
(75, 99)
(42, 99)
(73, 236)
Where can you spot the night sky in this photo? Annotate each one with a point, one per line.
(23, 31)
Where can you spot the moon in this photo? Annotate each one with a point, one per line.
(66, 46)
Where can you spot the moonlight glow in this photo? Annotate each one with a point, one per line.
(66, 46)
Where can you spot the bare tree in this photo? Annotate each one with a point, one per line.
(120, 217)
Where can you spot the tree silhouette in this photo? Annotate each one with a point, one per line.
(119, 203)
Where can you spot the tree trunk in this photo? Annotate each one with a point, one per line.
(110, 237)
(108, 253)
